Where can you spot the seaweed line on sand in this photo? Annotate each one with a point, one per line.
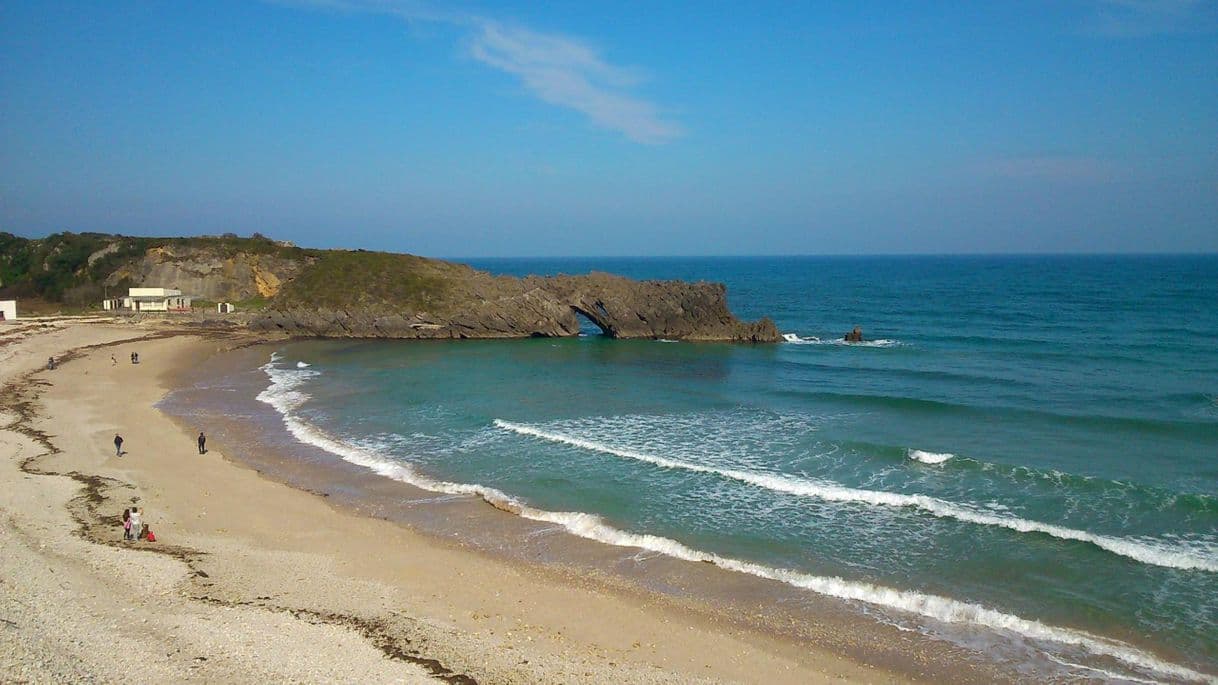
(19, 398)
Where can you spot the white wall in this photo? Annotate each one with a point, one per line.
(153, 292)
(9, 307)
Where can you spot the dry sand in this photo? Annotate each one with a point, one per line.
(251, 580)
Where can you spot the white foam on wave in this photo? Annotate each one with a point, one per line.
(794, 339)
(303, 365)
(1156, 553)
(928, 457)
(936, 607)
(880, 342)
(284, 395)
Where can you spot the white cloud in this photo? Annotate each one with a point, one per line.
(560, 70)
(568, 73)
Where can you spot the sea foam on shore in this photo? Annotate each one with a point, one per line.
(285, 394)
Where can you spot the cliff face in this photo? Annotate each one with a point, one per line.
(490, 307)
(623, 308)
(340, 293)
(209, 274)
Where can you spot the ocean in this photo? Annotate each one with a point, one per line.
(1020, 461)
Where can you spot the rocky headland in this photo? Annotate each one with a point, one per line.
(360, 294)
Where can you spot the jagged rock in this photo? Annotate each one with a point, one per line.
(358, 293)
(502, 307)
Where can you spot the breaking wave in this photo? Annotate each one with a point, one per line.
(928, 457)
(1154, 553)
(284, 395)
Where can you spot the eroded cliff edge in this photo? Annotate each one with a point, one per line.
(360, 294)
(411, 297)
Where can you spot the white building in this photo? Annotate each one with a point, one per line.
(8, 310)
(225, 307)
(150, 300)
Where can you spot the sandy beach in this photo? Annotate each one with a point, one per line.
(251, 580)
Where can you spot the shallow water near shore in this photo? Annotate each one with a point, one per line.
(1020, 465)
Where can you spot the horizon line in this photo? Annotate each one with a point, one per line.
(838, 254)
(1058, 253)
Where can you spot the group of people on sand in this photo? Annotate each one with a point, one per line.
(133, 525)
(135, 359)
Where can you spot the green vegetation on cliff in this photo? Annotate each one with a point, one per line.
(57, 268)
(80, 269)
(72, 268)
(360, 294)
(341, 279)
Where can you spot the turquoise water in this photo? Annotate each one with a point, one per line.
(1026, 453)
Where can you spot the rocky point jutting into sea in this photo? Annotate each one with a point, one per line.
(478, 305)
(361, 294)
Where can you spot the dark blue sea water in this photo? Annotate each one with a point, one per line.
(1026, 447)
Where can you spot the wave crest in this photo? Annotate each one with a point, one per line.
(284, 395)
(1147, 552)
(928, 457)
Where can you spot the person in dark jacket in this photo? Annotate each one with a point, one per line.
(202, 443)
(118, 445)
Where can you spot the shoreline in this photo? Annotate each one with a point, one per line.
(419, 607)
(702, 592)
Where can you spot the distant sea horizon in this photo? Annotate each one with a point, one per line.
(848, 255)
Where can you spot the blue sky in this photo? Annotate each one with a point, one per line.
(618, 128)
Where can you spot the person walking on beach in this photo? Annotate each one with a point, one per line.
(118, 445)
(137, 523)
(127, 523)
(202, 442)
(113, 361)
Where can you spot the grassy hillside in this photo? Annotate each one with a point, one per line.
(341, 278)
(57, 268)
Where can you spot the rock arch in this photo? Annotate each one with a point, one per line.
(597, 316)
(478, 305)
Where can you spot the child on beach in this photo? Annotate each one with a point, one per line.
(127, 524)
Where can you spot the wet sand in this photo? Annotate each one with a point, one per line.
(347, 576)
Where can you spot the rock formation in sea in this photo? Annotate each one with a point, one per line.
(474, 304)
